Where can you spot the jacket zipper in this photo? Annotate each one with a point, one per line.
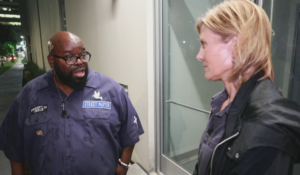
(212, 158)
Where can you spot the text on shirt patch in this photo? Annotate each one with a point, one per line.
(38, 109)
(96, 104)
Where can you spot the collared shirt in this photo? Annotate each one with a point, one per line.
(214, 130)
(89, 139)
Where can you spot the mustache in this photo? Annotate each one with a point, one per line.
(79, 68)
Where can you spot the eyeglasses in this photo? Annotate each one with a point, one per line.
(70, 59)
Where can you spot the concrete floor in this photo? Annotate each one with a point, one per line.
(10, 85)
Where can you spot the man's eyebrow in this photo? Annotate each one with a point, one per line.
(69, 51)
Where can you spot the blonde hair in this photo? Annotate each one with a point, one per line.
(252, 26)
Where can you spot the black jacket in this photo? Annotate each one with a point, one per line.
(262, 133)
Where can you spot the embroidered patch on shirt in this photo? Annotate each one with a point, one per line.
(96, 104)
(135, 121)
(39, 133)
(97, 95)
(38, 109)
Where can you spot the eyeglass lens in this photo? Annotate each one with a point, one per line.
(73, 59)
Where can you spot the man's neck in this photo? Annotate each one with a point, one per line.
(66, 89)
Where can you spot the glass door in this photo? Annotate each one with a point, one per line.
(186, 93)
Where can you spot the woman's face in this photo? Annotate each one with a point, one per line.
(216, 55)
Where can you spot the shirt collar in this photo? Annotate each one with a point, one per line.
(91, 80)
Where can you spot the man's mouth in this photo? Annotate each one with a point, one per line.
(79, 72)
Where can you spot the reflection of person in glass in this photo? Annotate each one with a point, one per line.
(252, 128)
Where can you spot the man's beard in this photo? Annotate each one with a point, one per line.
(73, 82)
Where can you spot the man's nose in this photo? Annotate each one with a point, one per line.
(200, 55)
(78, 61)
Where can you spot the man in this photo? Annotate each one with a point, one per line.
(70, 120)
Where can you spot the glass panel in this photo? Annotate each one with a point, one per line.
(285, 17)
(184, 81)
(184, 133)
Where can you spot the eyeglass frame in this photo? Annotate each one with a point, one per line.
(77, 57)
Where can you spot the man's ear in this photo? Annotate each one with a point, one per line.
(50, 61)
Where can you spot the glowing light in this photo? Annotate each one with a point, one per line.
(11, 23)
(9, 16)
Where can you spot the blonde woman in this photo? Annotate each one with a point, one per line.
(252, 128)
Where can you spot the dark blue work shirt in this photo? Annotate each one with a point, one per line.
(214, 130)
(89, 139)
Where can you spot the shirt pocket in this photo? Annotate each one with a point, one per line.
(97, 123)
(38, 136)
(37, 124)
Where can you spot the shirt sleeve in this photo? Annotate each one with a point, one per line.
(265, 161)
(131, 125)
(11, 136)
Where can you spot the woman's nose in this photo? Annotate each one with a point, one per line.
(200, 55)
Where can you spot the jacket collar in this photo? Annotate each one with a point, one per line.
(233, 124)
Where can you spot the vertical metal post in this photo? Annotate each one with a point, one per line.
(260, 3)
(158, 82)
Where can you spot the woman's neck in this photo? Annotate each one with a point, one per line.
(231, 92)
(230, 89)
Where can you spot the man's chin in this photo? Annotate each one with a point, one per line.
(79, 83)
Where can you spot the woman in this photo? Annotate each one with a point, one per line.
(252, 128)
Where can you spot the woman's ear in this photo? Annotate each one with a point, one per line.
(233, 41)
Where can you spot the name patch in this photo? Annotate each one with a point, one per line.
(38, 109)
(96, 104)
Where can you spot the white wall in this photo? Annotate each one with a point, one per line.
(115, 33)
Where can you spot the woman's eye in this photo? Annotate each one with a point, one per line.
(202, 45)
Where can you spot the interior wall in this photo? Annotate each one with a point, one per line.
(115, 33)
(34, 32)
(48, 19)
(50, 24)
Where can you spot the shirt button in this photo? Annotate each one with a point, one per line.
(237, 155)
(229, 148)
(68, 135)
(216, 122)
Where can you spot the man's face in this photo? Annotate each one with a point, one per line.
(68, 76)
(74, 76)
